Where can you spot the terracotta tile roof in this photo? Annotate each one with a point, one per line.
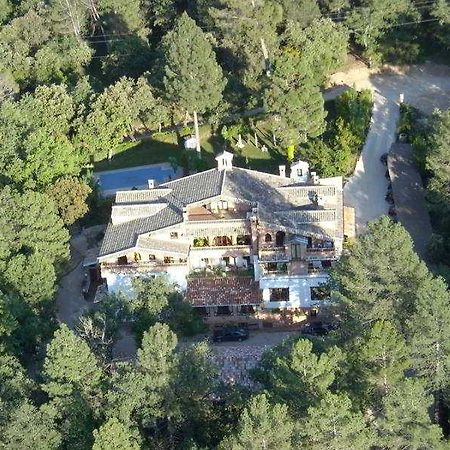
(223, 291)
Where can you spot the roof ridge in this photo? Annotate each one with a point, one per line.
(186, 177)
(260, 172)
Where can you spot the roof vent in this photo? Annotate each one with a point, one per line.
(225, 161)
(151, 184)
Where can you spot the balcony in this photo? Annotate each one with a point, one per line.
(316, 252)
(219, 271)
(271, 253)
(142, 266)
(274, 269)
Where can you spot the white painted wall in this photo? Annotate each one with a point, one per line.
(299, 289)
(121, 282)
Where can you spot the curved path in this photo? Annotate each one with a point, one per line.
(426, 87)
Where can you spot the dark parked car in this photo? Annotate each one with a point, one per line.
(389, 198)
(318, 328)
(230, 334)
(85, 285)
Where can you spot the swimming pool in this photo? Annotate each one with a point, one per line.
(111, 181)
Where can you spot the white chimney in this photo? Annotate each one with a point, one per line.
(300, 171)
(225, 161)
(314, 178)
(185, 214)
(320, 201)
(151, 184)
(282, 170)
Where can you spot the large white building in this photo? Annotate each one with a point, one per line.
(233, 239)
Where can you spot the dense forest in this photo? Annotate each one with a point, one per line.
(77, 77)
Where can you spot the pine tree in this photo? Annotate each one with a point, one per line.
(384, 358)
(370, 21)
(155, 357)
(294, 100)
(31, 428)
(405, 421)
(70, 365)
(192, 78)
(113, 435)
(380, 279)
(262, 426)
(429, 338)
(333, 425)
(299, 378)
(438, 163)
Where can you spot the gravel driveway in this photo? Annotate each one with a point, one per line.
(367, 187)
(425, 87)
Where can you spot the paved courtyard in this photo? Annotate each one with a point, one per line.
(235, 359)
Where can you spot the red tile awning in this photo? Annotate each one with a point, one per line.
(223, 291)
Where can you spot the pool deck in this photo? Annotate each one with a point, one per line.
(165, 166)
(137, 183)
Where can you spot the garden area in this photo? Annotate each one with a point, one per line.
(334, 153)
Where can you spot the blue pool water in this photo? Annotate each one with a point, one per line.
(136, 177)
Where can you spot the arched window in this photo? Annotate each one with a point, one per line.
(279, 238)
(268, 237)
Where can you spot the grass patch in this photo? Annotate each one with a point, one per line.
(140, 153)
(163, 147)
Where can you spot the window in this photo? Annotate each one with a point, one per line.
(137, 256)
(174, 235)
(226, 260)
(222, 241)
(205, 260)
(279, 238)
(168, 260)
(183, 260)
(201, 242)
(243, 240)
(151, 257)
(268, 237)
(299, 172)
(279, 295)
(122, 260)
(320, 292)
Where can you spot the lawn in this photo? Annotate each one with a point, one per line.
(162, 147)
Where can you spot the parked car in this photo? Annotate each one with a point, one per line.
(230, 334)
(317, 328)
(85, 284)
(389, 198)
(384, 158)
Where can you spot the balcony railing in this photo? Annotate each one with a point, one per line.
(221, 247)
(270, 253)
(320, 252)
(133, 265)
(212, 272)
